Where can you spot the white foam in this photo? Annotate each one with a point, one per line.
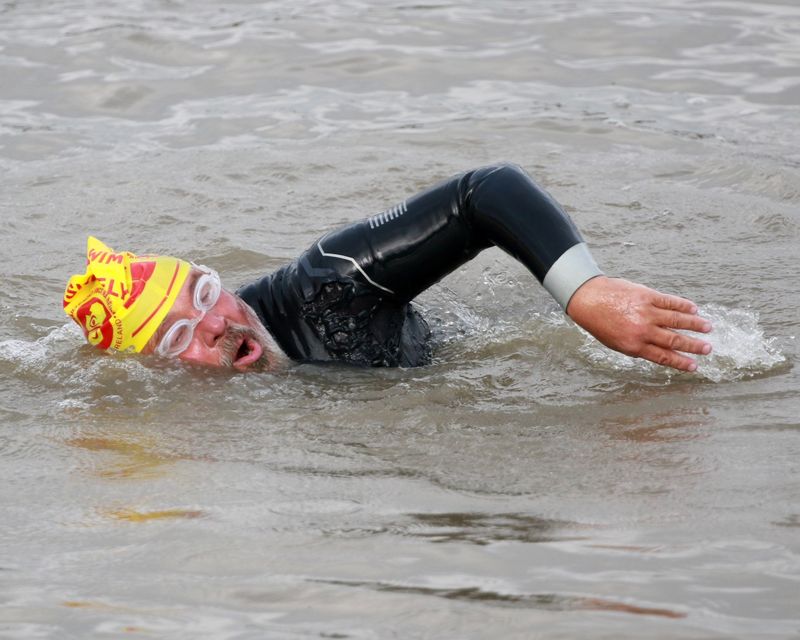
(739, 348)
(39, 351)
(55, 361)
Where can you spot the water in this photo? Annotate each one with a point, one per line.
(529, 483)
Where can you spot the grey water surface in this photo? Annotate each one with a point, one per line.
(529, 483)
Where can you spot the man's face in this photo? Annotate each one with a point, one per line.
(229, 335)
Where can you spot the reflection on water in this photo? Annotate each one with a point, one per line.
(676, 426)
(484, 528)
(130, 515)
(137, 460)
(548, 601)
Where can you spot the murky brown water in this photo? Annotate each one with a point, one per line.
(528, 484)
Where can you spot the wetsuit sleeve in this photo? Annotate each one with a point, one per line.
(404, 250)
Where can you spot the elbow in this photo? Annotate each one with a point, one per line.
(499, 178)
(505, 170)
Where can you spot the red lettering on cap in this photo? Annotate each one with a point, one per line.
(105, 257)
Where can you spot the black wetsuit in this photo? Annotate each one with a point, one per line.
(346, 298)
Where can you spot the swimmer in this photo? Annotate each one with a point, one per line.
(347, 297)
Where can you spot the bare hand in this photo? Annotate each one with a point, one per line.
(639, 321)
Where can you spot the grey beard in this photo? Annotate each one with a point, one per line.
(230, 343)
(272, 358)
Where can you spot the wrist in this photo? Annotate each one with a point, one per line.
(574, 268)
(584, 297)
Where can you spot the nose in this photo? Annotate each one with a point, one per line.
(211, 328)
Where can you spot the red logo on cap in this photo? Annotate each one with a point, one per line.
(140, 274)
(95, 318)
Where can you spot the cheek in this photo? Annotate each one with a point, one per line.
(229, 307)
(197, 353)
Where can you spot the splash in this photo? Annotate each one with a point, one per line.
(456, 322)
(72, 376)
(740, 349)
(33, 353)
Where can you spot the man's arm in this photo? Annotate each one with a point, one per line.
(404, 250)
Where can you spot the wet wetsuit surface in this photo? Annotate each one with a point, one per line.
(346, 298)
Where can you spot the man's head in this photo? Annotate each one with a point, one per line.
(168, 307)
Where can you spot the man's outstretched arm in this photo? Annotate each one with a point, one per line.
(406, 249)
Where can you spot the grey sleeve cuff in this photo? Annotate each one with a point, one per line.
(569, 272)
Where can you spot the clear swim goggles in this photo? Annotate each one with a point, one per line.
(179, 336)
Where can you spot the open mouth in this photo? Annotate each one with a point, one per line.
(248, 352)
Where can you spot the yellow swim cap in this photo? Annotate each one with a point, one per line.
(121, 299)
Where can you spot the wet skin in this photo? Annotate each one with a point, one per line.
(229, 335)
(640, 322)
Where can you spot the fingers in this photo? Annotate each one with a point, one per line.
(675, 303)
(668, 358)
(682, 320)
(666, 339)
(667, 348)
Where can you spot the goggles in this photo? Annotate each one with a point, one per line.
(179, 336)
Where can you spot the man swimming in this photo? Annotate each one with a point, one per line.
(347, 297)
